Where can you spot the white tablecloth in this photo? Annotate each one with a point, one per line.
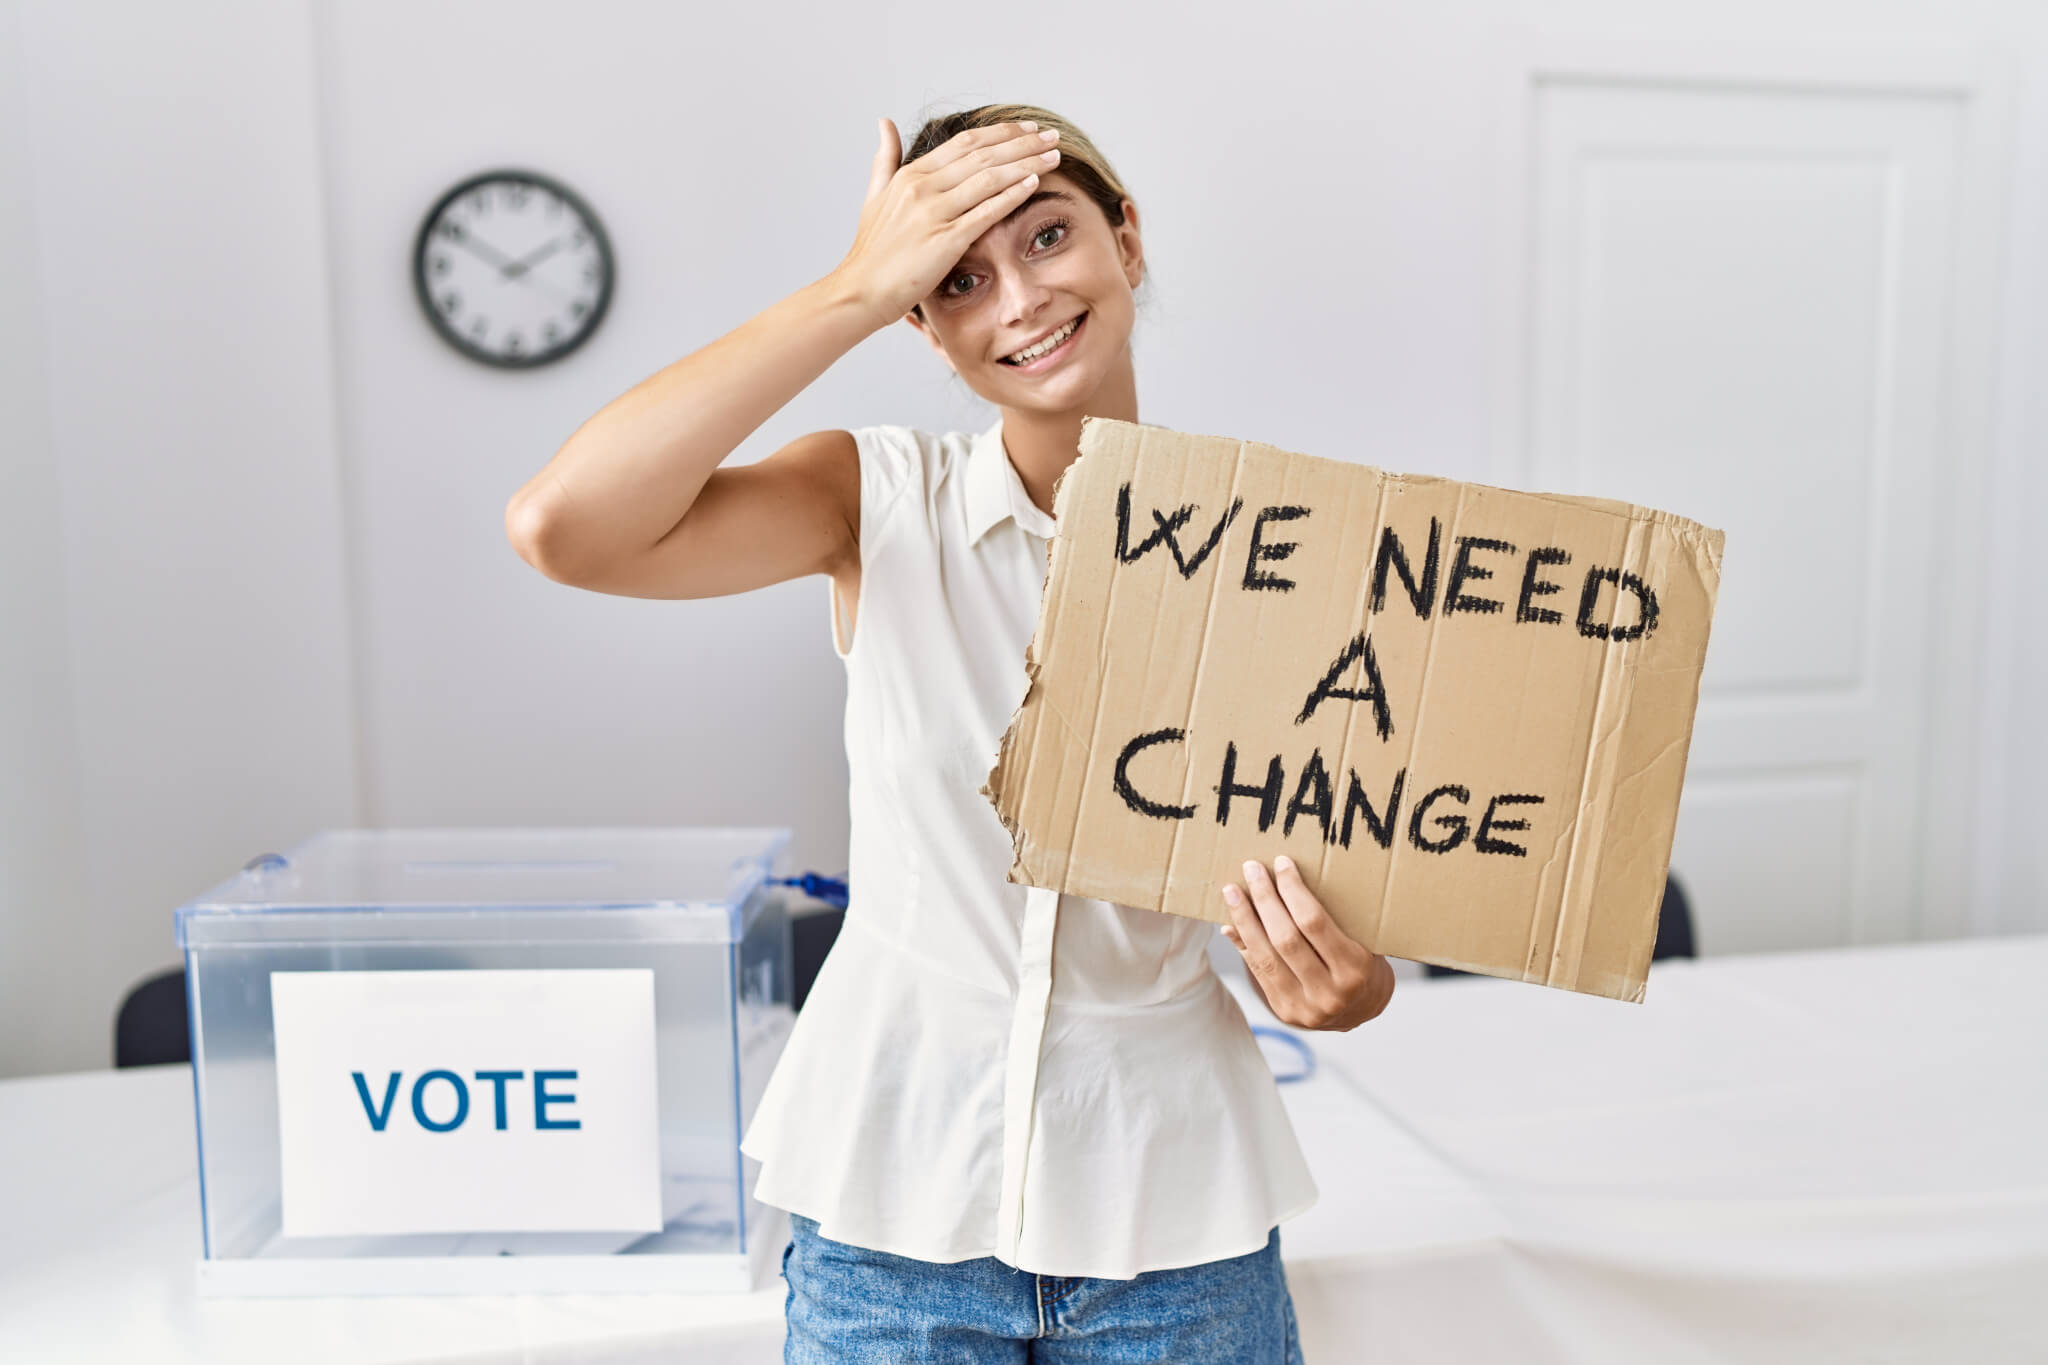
(1836, 1155)
(1803, 1157)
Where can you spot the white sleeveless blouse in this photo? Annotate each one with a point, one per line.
(982, 1068)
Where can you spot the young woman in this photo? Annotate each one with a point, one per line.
(1009, 1124)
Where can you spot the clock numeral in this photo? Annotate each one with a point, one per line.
(590, 274)
(441, 264)
(482, 202)
(554, 204)
(578, 306)
(452, 230)
(552, 332)
(450, 301)
(515, 196)
(479, 327)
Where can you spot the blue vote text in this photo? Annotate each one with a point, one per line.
(441, 1099)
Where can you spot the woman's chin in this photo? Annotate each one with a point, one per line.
(1049, 399)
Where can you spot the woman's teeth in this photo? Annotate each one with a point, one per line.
(1031, 353)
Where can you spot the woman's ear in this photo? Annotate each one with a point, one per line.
(1129, 246)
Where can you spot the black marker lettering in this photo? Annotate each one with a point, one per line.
(1267, 792)
(1484, 840)
(1254, 576)
(1355, 801)
(1456, 824)
(1463, 568)
(1375, 690)
(1157, 810)
(1166, 530)
(1422, 597)
(1534, 587)
(1124, 553)
(1315, 781)
(1590, 598)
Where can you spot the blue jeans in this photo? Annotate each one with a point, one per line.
(851, 1306)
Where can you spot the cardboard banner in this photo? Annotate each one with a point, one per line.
(1463, 710)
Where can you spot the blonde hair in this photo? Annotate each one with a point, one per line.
(1081, 161)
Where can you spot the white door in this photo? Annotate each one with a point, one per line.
(1741, 305)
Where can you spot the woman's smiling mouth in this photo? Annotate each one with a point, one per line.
(1059, 341)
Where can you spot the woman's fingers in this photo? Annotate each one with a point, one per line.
(985, 215)
(1248, 933)
(977, 149)
(1348, 961)
(990, 169)
(888, 160)
(982, 202)
(1324, 934)
(1281, 930)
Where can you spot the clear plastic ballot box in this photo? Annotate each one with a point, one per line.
(487, 1061)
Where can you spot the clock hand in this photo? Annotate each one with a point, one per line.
(526, 262)
(511, 268)
(478, 247)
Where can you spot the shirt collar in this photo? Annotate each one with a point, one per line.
(995, 490)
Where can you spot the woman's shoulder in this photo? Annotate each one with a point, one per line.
(897, 458)
(905, 443)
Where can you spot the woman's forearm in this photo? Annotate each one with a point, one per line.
(629, 473)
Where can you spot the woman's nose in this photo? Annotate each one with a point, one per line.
(1020, 298)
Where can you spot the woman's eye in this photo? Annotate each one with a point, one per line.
(1037, 238)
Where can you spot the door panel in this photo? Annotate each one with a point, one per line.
(1739, 305)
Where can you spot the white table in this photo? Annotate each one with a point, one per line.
(1803, 1157)
(1837, 1155)
(100, 1204)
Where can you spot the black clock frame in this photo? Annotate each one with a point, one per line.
(422, 291)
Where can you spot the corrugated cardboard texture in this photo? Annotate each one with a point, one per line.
(1503, 800)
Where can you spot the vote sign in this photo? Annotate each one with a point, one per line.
(467, 1101)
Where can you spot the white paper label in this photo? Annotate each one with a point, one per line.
(467, 1101)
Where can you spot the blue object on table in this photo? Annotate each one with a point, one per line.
(1301, 1049)
(831, 890)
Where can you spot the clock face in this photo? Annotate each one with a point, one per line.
(513, 269)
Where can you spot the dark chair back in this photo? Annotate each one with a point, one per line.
(812, 934)
(153, 1026)
(1674, 929)
(1674, 923)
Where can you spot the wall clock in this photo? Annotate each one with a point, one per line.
(513, 269)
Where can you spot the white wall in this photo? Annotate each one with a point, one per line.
(42, 844)
(255, 581)
(192, 704)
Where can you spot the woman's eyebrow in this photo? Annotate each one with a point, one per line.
(1018, 212)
